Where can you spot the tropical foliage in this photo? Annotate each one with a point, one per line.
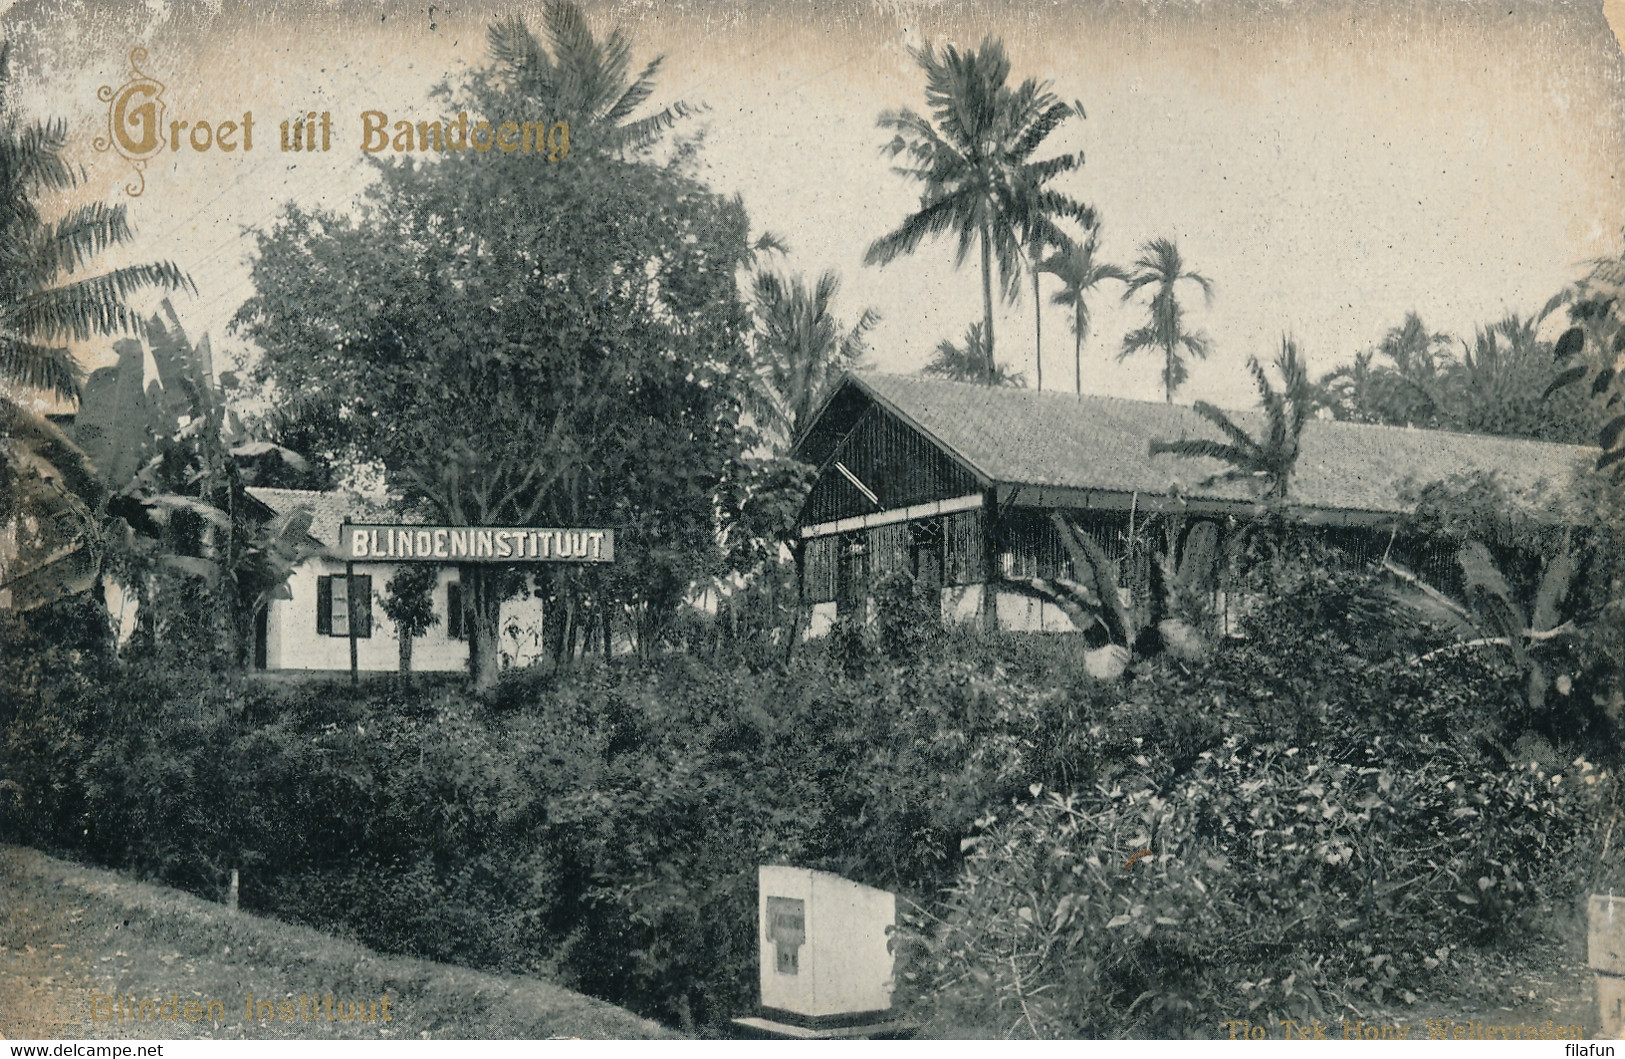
(1268, 460)
(974, 158)
(1417, 377)
(800, 350)
(1075, 265)
(583, 81)
(50, 296)
(1161, 268)
(968, 360)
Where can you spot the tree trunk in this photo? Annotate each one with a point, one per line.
(405, 638)
(481, 619)
(1168, 375)
(1038, 327)
(1077, 357)
(987, 301)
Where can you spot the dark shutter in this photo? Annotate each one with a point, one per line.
(454, 610)
(324, 606)
(361, 605)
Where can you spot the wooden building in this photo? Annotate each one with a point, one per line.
(956, 484)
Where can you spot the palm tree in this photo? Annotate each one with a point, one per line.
(801, 349)
(974, 158)
(1161, 266)
(1268, 460)
(1075, 266)
(968, 362)
(585, 81)
(46, 300)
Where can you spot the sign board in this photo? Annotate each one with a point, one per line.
(826, 946)
(364, 542)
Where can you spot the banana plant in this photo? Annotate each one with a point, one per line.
(1492, 614)
(162, 459)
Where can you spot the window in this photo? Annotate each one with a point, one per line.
(926, 552)
(454, 611)
(334, 614)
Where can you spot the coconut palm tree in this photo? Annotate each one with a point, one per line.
(1161, 267)
(585, 81)
(801, 349)
(47, 300)
(974, 158)
(1075, 266)
(1268, 460)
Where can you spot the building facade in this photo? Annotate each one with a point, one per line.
(310, 630)
(957, 485)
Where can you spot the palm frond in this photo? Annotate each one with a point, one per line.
(91, 306)
(40, 367)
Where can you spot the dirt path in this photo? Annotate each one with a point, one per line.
(74, 938)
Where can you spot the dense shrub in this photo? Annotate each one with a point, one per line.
(1324, 812)
(1330, 804)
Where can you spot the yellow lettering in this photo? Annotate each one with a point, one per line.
(223, 130)
(506, 133)
(539, 130)
(175, 128)
(424, 128)
(372, 124)
(194, 1011)
(403, 136)
(474, 137)
(208, 136)
(104, 1003)
(558, 141)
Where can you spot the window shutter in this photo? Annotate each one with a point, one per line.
(361, 604)
(324, 606)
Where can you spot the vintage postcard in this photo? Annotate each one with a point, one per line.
(835, 519)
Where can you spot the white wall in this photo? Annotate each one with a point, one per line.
(293, 643)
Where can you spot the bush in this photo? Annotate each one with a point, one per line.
(1315, 816)
(1325, 814)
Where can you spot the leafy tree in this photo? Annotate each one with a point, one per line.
(1075, 266)
(584, 81)
(968, 362)
(1269, 459)
(1161, 267)
(974, 158)
(526, 344)
(801, 349)
(409, 602)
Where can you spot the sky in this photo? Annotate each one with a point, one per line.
(1329, 164)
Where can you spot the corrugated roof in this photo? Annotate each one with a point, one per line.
(327, 510)
(1024, 437)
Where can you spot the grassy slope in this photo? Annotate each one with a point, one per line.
(67, 932)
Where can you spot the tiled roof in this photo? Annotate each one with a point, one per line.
(327, 510)
(1024, 437)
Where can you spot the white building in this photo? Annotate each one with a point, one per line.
(311, 630)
